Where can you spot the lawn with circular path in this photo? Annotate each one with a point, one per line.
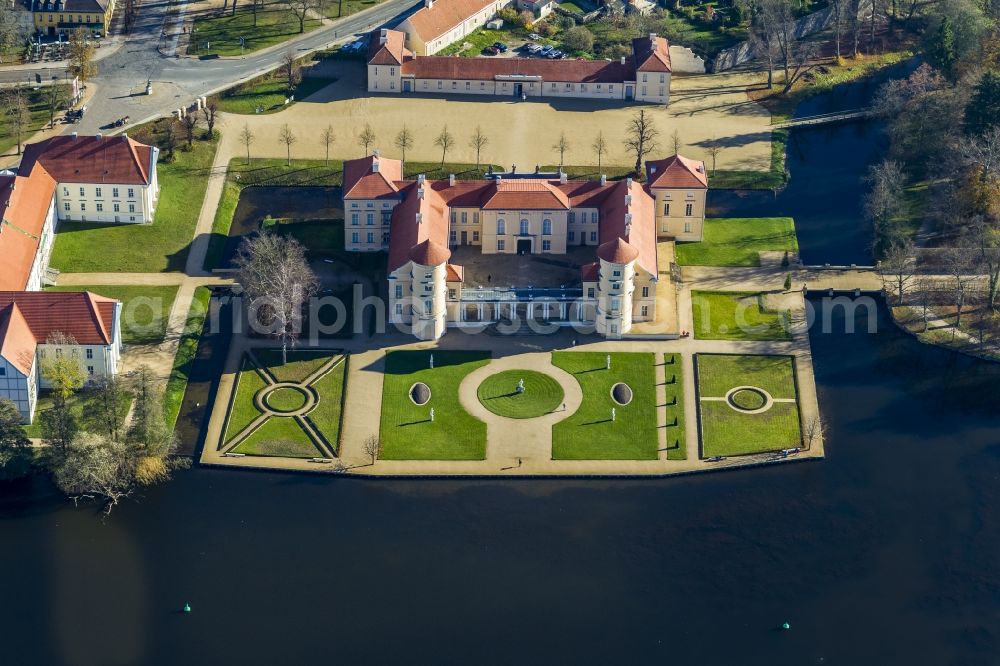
(498, 393)
(286, 399)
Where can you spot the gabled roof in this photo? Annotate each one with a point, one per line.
(627, 213)
(406, 231)
(676, 172)
(652, 54)
(487, 69)
(24, 205)
(523, 194)
(70, 6)
(454, 273)
(590, 272)
(440, 16)
(87, 317)
(90, 159)
(385, 47)
(372, 177)
(17, 343)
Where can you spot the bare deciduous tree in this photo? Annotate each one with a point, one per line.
(561, 146)
(984, 236)
(328, 138)
(278, 281)
(211, 114)
(957, 264)
(883, 202)
(96, 468)
(62, 368)
(168, 141)
(675, 141)
(247, 138)
(290, 70)
(641, 138)
(813, 430)
(713, 150)
(56, 97)
(600, 146)
(404, 140)
(477, 142)
(189, 123)
(15, 109)
(107, 407)
(12, 32)
(287, 137)
(898, 266)
(366, 138)
(445, 140)
(372, 446)
(302, 8)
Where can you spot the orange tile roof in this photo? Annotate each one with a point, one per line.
(590, 272)
(523, 194)
(486, 69)
(651, 54)
(628, 213)
(454, 273)
(371, 177)
(17, 343)
(677, 172)
(86, 316)
(24, 205)
(429, 252)
(443, 15)
(89, 159)
(385, 47)
(406, 231)
(617, 251)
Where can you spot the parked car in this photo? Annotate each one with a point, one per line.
(500, 46)
(535, 36)
(554, 54)
(545, 50)
(533, 48)
(491, 51)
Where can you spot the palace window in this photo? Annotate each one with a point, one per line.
(117, 208)
(355, 237)
(645, 292)
(571, 236)
(354, 219)
(689, 209)
(131, 193)
(90, 353)
(475, 236)
(666, 208)
(501, 228)
(546, 227)
(644, 310)
(501, 245)
(546, 246)
(369, 219)
(114, 192)
(524, 228)
(371, 238)
(593, 236)
(98, 191)
(687, 227)
(100, 208)
(571, 217)
(81, 192)
(465, 217)
(399, 291)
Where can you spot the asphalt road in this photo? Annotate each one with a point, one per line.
(121, 80)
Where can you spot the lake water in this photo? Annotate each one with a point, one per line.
(883, 553)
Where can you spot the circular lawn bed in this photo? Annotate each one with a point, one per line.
(748, 399)
(498, 393)
(286, 399)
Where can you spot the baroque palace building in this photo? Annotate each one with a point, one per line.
(419, 222)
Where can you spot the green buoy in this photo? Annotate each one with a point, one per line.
(187, 609)
(786, 626)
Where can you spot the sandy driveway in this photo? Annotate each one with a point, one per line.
(704, 108)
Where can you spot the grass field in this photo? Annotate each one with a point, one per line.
(268, 93)
(737, 241)
(145, 310)
(184, 358)
(38, 109)
(736, 315)
(729, 432)
(590, 434)
(407, 433)
(220, 33)
(498, 393)
(88, 247)
(280, 435)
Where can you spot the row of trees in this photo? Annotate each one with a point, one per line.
(301, 9)
(640, 142)
(94, 446)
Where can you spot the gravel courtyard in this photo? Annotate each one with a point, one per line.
(703, 109)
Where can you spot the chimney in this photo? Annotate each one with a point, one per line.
(604, 180)
(628, 199)
(429, 4)
(652, 168)
(420, 193)
(628, 222)
(498, 178)
(383, 36)
(420, 218)
(375, 165)
(628, 183)
(701, 168)
(563, 178)
(375, 153)
(628, 228)
(623, 60)
(73, 135)
(420, 179)
(98, 136)
(652, 37)
(451, 180)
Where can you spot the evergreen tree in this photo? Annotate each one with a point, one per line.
(983, 112)
(941, 49)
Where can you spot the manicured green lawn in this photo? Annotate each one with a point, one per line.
(335, 10)
(184, 358)
(590, 434)
(736, 315)
(282, 435)
(269, 93)
(737, 241)
(717, 373)
(542, 394)
(729, 432)
(407, 433)
(87, 247)
(145, 310)
(219, 33)
(676, 443)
